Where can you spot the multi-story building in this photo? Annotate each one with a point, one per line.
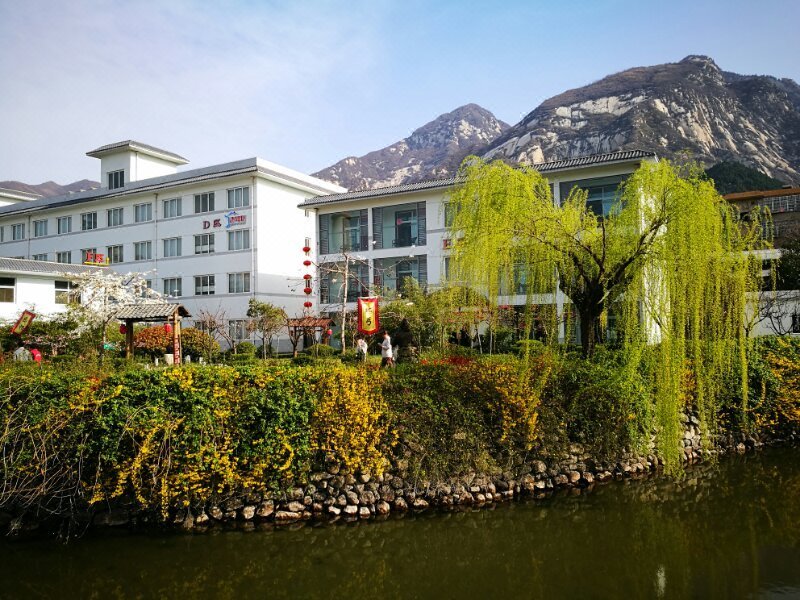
(212, 238)
(402, 231)
(783, 205)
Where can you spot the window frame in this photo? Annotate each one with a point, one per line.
(64, 220)
(179, 281)
(118, 211)
(36, 226)
(199, 245)
(89, 218)
(137, 246)
(204, 198)
(111, 254)
(205, 281)
(147, 207)
(5, 286)
(244, 197)
(17, 232)
(172, 203)
(178, 241)
(234, 281)
(116, 179)
(233, 234)
(61, 254)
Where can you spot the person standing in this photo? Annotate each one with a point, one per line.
(387, 358)
(361, 349)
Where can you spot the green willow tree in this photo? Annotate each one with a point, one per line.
(670, 261)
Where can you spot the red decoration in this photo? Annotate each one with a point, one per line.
(306, 276)
(368, 318)
(307, 290)
(168, 328)
(329, 332)
(307, 263)
(306, 249)
(308, 304)
(123, 329)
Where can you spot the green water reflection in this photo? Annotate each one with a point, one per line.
(733, 535)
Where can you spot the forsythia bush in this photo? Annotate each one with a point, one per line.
(350, 421)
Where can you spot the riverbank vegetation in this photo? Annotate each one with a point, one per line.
(176, 437)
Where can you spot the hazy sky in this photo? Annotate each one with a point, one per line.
(306, 83)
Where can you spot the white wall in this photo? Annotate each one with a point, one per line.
(34, 293)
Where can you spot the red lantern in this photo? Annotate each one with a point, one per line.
(123, 329)
(329, 332)
(308, 304)
(306, 276)
(306, 249)
(168, 328)
(307, 263)
(307, 290)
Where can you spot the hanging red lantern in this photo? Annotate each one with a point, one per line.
(168, 328)
(123, 329)
(306, 249)
(307, 263)
(308, 304)
(307, 290)
(306, 276)
(329, 332)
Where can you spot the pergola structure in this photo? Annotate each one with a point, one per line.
(306, 326)
(152, 313)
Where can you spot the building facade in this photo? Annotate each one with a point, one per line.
(212, 238)
(389, 234)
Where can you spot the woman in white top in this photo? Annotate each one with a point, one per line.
(387, 359)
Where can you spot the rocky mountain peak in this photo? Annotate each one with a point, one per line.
(434, 150)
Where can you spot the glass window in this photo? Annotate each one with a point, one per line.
(65, 292)
(116, 179)
(172, 247)
(172, 208)
(114, 217)
(204, 243)
(88, 254)
(204, 202)
(64, 225)
(173, 286)
(238, 283)
(7, 288)
(88, 221)
(143, 213)
(39, 257)
(143, 250)
(64, 257)
(237, 329)
(239, 239)
(40, 228)
(18, 232)
(239, 197)
(114, 254)
(204, 285)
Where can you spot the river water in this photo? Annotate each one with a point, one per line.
(725, 531)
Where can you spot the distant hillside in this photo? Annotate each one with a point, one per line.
(730, 177)
(50, 188)
(434, 150)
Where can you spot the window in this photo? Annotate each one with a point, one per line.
(204, 285)
(88, 254)
(18, 232)
(64, 257)
(239, 239)
(40, 228)
(173, 286)
(116, 179)
(114, 217)
(39, 257)
(238, 283)
(143, 212)
(172, 208)
(172, 247)
(239, 197)
(65, 292)
(88, 221)
(114, 254)
(796, 323)
(204, 243)
(64, 225)
(143, 250)
(237, 329)
(204, 202)
(7, 287)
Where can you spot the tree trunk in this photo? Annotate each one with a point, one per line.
(590, 321)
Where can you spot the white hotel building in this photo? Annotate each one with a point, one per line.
(212, 238)
(401, 231)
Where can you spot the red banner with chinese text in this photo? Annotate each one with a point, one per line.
(24, 321)
(368, 320)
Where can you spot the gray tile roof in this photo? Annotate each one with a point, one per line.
(21, 265)
(239, 167)
(160, 310)
(134, 145)
(545, 167)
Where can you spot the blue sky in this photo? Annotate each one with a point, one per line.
(305, 84)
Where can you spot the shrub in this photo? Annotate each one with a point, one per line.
(152, 341)
(198, 343)
(320, 350)
(246, 348)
